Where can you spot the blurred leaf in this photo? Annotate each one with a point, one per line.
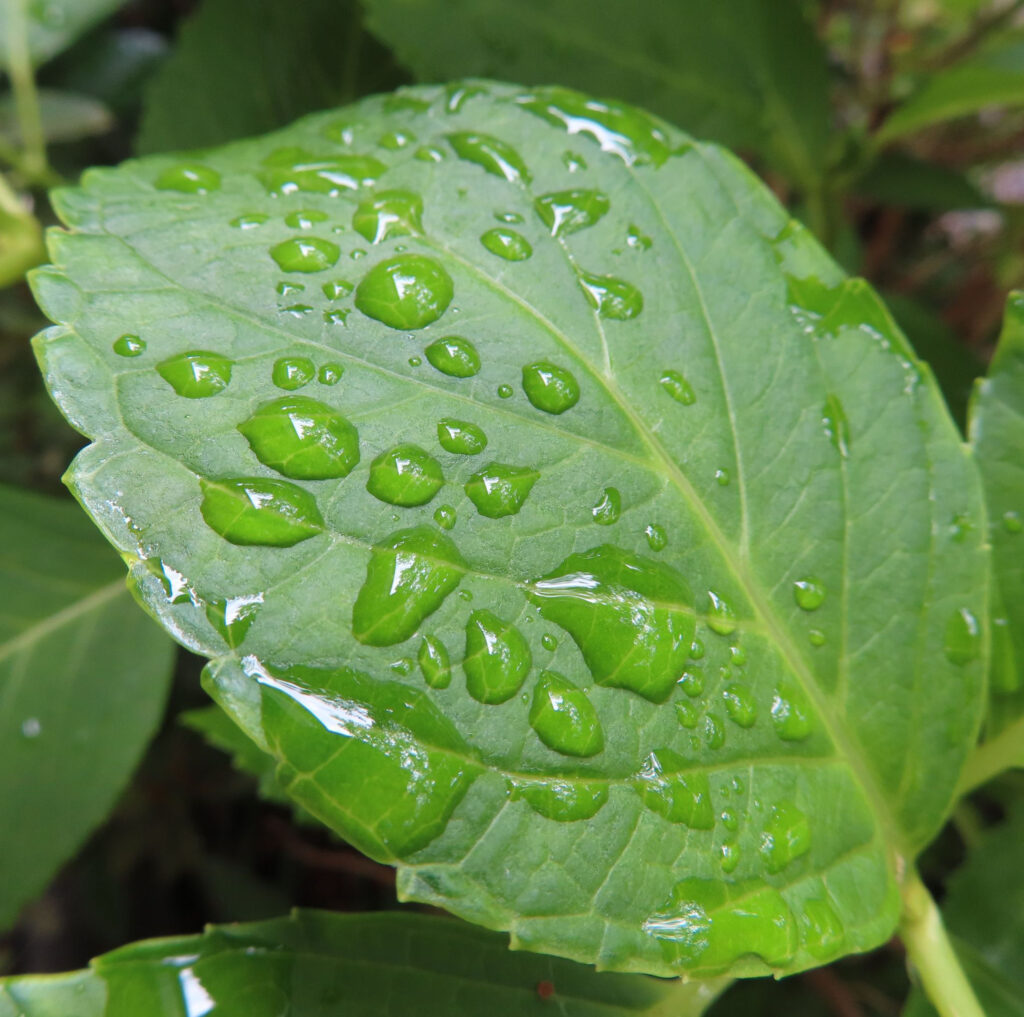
(748, 73)
(285, 59)
(319, 964)
(83, 679)
(53, 25)
(992, 76)
(21, 245)
(65, 117)
(897, 178)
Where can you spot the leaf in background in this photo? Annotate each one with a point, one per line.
(571, 530)
(982, 911)
(896, 178)
(64, 115)
(53, 25)
(83, 680)
(320, 964)
(750, 74)
(992, 76)
(285, 59)
(21, 243)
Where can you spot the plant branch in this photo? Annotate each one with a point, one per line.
(992, 757)
(26, 97)
(932, 956)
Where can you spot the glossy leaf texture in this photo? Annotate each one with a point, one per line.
(991, 76)
(982, 912)
(997, 434)
(750, 74)
(319, 964)
(688, 639)
(51, 26)
(83, 679)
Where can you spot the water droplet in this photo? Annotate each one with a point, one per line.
(672, 788)
(809, 593)
(565, 212)
(549, 387)
(564, 801)
(337, 288)
(786, 837)
(678, 387)
(791, 713)
(405, 475)
(129, 346)
(445, 517)
(305, 254)
(729, 821)
(816, 637)
(507, 244)
(395, 140)
(408, 578)
(657, 538)
(962, 642)
(740, 705)
(490, 153)
(508, 217)
(302, 439)
(406, 292)
(414, 361)
(692, 681)
(573, 162)
(714, 731)
(632, 618)
(738, 655)
(305, 219)
(721, 618)
(688, 714)
(454, 356)
(497, 658)
(291, 170)
(610, 296)
(31, 727)
(564, 718)
(356, 253)
(189, 178)
(638, 239)
(389, 214)
(402, 666)
(196, 374)
(459, 93)
(549, 642)
(1012, 522)
(505, 392)
(608, 507)
(233, 617)
(434, 663)
(821, 929)
(428, 153)
(260, 511)
(837, 427)
(250, 221)
(330, 374)
(729, 857)
(500, 490)
(461, 437)
(291, 373)
(697, 649)
(722, 477)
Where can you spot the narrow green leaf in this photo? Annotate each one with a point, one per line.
(318, 964)
(53, 25)
(747, 73)
(83, 679)
(65, 116)
(897, 178)
(674, 653)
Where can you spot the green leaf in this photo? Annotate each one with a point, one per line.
(319, 964)
(992, 76)
(53, 25)
(83, 680)
(747, 73)
(730, 533)
(982, 911)
(284, 60)
(64, 115)
(896, 178)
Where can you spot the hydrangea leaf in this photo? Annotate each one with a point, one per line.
(680, 673)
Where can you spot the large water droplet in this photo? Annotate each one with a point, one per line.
(305, 254)
(631, 618)
(676, 790)
(610, 296)
(260, 511)
(564, 718)
(678, 387)
(565, 212)
(549, 387)
(461, 437)
(291, 373)
(406, 292)
(809, 593)
(564, 801)
(494, 155)
(288, 170)
(740, 705)
(303, 439)
(497, 658)
(454, 356)
(434, 663)
(791, 713)
(189, 178)
(405, 475)
(389, 214)
(196, 374)
(500, 490)
(408, 578)
(608, 507)
(721, 618)
(786, 837)
(507, 244)
(962, 640)
(837, 427)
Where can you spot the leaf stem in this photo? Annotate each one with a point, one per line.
(992, 757)
(26, 97)
(932, 956)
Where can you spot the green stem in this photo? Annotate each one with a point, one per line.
(991, 758)
(9, 200)
(932, 956)
(26, 98)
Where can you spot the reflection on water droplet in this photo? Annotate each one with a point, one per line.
(738, 655)
(678, 387)
(389, 214)
(454, 356)
(445, 517)
(549, 387)
(722, 476)
(129, 346)
(962, 641)
(305, 254)
(791, 713)
(500, 490)
(809, 593)
(196, 374)
(305, 219)
(729, 857)
(434, 663)
(408, 578)
(497, 658)
(638, 239)
(490, 153)
(291, 170)
(657, 538)
(291, 373)
(505, 392)
(395, 140)
(507, 244)
(233, 617)
(573, 162)
(672, 788)
(837, 427)
(189, 178)
(565, 212)
(697, 649)
(692, 681)
(330, 374)
(608, 507)
(564, 801)
(337, 288)
(405, 475)
(460, 437)
(721, 618)
(249, 221)
(610, 296)
(786, 837)
(403, 666)
(564, 718)
(428, 153)
(740, 705)
(260, 511)
(406, 292)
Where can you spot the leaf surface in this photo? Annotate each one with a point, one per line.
(52, 26)
(83, 680)
(319, 964)
(688, 639)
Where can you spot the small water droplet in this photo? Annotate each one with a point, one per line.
(337, 289)
(129, 346)
(697, 649)
(816, 637)
(250, 221)
(1012, 522)
(460, 437)
(786, 837)
(672, 788)
(336, 316)
(809, 593)
(407, 292)
(722, 477)
(196, 374)
(330, 373)
(791, 713)
(260, 511)
(821, 929)
(497, 658)
(678, 387)
(405, 475)
(608, 507)
(565, 212)
(564, 718)
(549, 642)
(740, 705)
(389, 214)
(721, 618)
(714, 731)
(549, 387)
(573, 162)
(395, 140)
(305, 219)
(305, 254)
(688, 714)
(233, 617)
(454, 356)
(738, 655)
(507, 244)
(505, 392)
(428, 153)
(492, 154)
(445, 517)
(291, 373)
(962, 641)
(837, 427)
(692, 681)
(434, 663)
(610, 296)
(31, 727)
(500, 490)
(657, 538)
(189, 178)
(637, 239)
(512, 218)
(402, 666)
